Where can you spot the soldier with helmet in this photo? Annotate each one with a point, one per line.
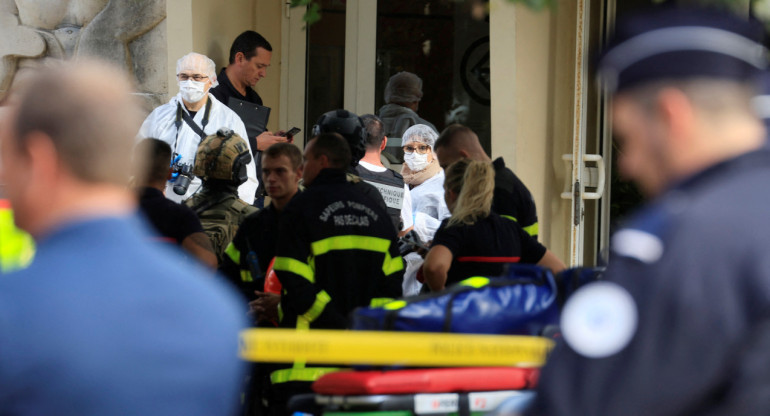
(220, 163)
(351, 127)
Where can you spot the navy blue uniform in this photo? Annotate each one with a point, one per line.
(513, 200)
(697, 264)
(486, 246)
(336, 251)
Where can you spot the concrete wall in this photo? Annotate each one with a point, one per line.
(130, 34)
(532, 65)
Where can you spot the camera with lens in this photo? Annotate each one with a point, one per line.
(181, 174)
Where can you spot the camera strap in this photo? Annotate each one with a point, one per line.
(183, 115)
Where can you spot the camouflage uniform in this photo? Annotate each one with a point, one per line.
(221, 162)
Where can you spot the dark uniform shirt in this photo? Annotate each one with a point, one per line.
(390, 185)
(336, 251)
(225, 90)
(696, 264)
(252, 248)
(171, 220)
(483, 248)
(512, 198)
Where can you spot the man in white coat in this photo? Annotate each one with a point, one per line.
(191, 112)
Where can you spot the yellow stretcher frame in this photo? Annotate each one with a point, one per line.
(392, 348)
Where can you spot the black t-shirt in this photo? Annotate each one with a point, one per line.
(223, 92)
(171, 220)
(512, 198)
(259, 233)
(483, 248)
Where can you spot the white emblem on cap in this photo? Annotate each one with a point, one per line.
(639, 245)
(599, 320)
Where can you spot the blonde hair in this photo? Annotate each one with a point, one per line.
(474, 183)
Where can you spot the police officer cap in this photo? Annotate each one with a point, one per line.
(222, 156)
(679, 43)
(348, 125)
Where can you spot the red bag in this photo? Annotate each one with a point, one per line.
(431, 380)
(272, 284)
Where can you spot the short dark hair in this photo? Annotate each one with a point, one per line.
(247, 43)
(154, 157)
(447, 137)
(285, 149)
(334, 147)
(375, 131)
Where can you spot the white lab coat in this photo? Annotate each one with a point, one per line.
(160, 125)
(429, 210)
(429, 207)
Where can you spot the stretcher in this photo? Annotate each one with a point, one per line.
(433, 391)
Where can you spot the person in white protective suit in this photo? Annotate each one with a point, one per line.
(193, 106)
(423, 174)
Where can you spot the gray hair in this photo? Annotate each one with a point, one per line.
(198, 62)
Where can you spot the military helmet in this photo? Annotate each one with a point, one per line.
(348, 125)
(223, 156)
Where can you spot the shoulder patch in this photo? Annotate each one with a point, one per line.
(637, 244)
(599, 320)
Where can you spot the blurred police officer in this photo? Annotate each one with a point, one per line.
(681, 326)
(221, 162)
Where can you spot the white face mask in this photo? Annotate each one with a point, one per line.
(192, 91)
(416, 161)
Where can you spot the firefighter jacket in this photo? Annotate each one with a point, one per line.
(336, 251)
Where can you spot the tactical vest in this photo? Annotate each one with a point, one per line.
(220, 214)
(391, 187)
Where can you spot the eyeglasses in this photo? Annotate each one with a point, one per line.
(422, 149)
(196, 77)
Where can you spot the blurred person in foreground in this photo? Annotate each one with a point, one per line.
(681, 324)
(102, 321)
(475, 241)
